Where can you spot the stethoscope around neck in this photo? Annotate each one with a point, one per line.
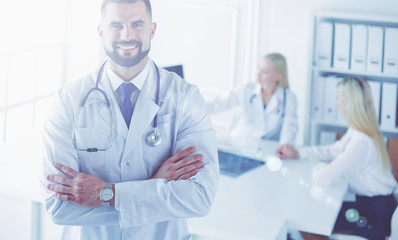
(252, 97)
(153, 138)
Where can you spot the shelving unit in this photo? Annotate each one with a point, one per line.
(346, 44)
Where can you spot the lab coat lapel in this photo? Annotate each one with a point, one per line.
(145, 109)
(119, 125)
(273, 103)
(144, 112)
(257, 103)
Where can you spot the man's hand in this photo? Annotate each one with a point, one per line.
(81, 189)
(180, 167)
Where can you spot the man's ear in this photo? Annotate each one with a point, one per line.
(153, 30)
(100, 30)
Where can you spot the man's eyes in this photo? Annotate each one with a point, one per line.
(137, 24)
(116, 26)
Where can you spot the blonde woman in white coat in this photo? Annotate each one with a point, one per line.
(362, 159)
(269, 107)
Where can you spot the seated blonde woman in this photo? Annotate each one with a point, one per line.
(361, 158)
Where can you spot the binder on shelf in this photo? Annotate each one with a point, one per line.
(329, 110)
(375, 49)
(388, 106)
(342, 40)
(324, 44)
(375, 89)
(391, 51)
(317, 98)
(358, 47)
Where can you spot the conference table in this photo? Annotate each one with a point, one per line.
(266, 201)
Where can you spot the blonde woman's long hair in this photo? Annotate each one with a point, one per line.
(280, 65)
(356, 97)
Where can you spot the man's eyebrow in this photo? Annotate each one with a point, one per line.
(138, 21)
(114, 22)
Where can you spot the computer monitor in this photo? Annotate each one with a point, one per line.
(177, 69)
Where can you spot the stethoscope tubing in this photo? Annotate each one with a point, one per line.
(96, 88)
(283, 105)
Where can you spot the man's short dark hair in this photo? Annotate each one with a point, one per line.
(146, 2)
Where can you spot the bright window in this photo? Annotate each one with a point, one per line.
(31, 63)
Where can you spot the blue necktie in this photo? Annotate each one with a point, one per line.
(126, 90)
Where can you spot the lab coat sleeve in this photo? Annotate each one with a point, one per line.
(355, 152)
(289, 125)
(57, 139)
(221, 104)
(158, 200)
(324, 153)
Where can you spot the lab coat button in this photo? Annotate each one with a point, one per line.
(127, 164)
(130, 235)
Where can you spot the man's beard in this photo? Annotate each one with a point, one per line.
(126, 61)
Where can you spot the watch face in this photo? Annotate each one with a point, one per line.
(106, 194)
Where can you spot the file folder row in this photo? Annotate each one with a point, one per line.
(324, 107)
(357, 47)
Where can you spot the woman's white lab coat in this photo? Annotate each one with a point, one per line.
(277, 121)
(144, 209)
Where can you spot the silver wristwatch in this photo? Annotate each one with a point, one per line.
(106, 195)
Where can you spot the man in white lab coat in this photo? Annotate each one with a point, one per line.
(103, 179)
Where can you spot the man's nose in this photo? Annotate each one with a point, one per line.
(127, 34)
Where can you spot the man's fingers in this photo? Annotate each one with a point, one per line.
(189, 160)
(188, 175)
(67, 170)
(188, 168)
(59, 188)
(181, 154)
(65, 197)
(60, 179)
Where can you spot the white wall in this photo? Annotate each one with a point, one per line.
(212, 39)
(82, 40)
(289, 27)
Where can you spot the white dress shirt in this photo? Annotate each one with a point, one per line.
(138, 82)
(354, 157)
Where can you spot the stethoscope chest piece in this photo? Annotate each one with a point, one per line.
(154, 138)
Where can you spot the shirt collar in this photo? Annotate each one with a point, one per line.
(138, 81)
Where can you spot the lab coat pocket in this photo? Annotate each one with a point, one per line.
(91, 144)
(166, 117)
